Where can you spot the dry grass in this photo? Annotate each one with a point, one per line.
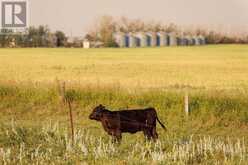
(213, 67)
(214, 133)
(51, 144)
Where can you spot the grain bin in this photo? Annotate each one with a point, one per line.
(137, 41)
(163, 39)
(132, 40)
(190, 40)
(148, 40)
(142, 38)
(184, 41)
(127, 40)
(179, 41)
(167, 39)
(121, 39)
(172, 39)
(202, 40)
(151, 39)
(196, 40)
(158, 39)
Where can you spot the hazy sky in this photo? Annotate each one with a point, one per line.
(76, 16)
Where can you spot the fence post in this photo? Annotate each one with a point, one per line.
(71, 121)
(186, 103)
(68, 100)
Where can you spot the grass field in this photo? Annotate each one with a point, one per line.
(201, 67)
(34, 125)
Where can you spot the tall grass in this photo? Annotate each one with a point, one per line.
(49, 143)
(208, 108)
(214, 132)
(167, 101)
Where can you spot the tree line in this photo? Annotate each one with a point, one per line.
(103, 30)
(106, 26)
(32, 37)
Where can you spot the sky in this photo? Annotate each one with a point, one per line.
(75, 17)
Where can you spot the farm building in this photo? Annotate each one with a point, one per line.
(86, 44)
(156, 39)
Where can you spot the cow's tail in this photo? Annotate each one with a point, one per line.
(159, 120)
(161, 124)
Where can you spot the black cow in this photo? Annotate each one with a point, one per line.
(132, 121)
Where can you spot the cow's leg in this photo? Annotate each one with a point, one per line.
(116, 136)
(147, 133)
(153, 129)
(112, 133)
(154, 134)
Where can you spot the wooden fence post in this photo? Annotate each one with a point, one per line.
(186, 104)
(61, 92)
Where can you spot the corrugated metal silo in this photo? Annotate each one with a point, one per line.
(172, 39)
(160, 39)
(148, 39)
(153, 39)
(202, 40)
(190, 40)
(163, 39)
(142, 39)
(120, 38)
(184, 41)
(137, 41)
(132, 40)
(196, 40)
(126, 40)
(178, 41)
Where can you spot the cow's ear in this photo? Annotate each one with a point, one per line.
(101, 106)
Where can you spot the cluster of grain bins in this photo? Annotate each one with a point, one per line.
(154, 39)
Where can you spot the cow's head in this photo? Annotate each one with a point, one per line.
(97, 113)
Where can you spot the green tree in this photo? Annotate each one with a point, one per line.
(5, 37)
(106, 31)
(60, 38)
(37, 37)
